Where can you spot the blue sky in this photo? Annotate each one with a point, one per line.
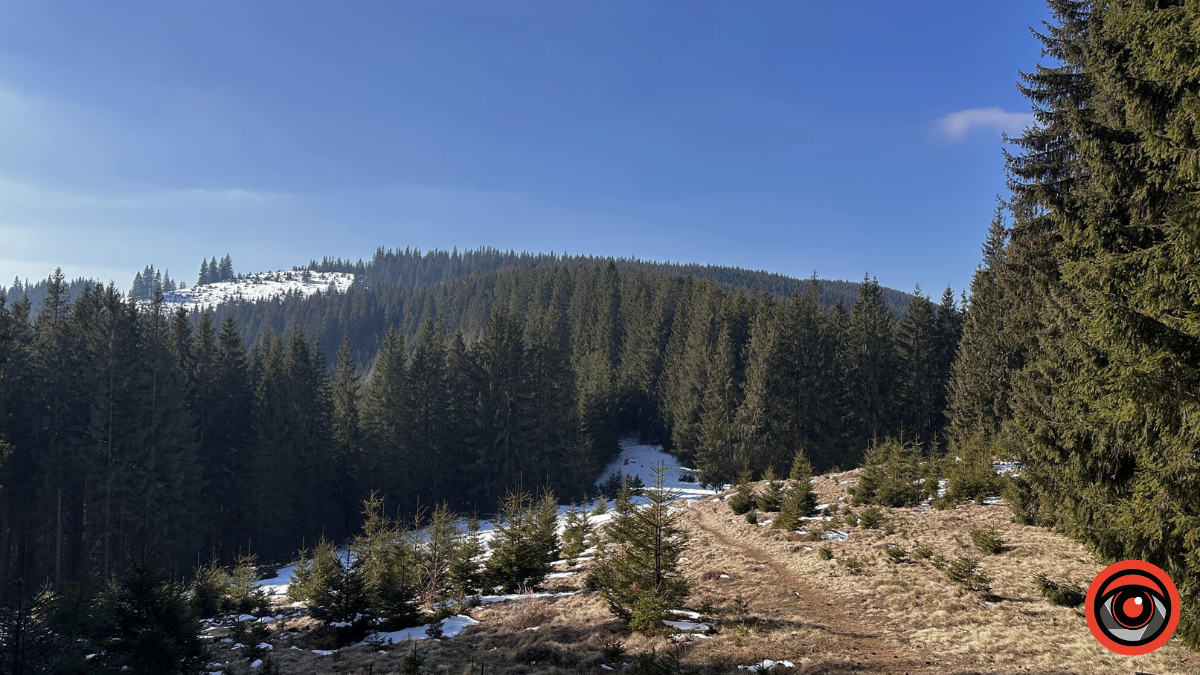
(788, 136)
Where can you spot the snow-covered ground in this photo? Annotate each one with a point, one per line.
(637, 460)
(256, 287)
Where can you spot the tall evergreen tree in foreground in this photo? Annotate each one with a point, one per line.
(1087, 313)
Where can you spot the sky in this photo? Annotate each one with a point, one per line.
(793, 137)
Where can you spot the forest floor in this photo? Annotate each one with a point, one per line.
(759, 593)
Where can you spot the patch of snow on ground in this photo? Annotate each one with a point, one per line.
(637, 459)
(1007, 468)
(256, 287)
(451, 627)
(690, 626)
(836, 535)
(767, 664)
(277, 585)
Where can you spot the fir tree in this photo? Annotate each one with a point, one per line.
(525, 542)
(638, 577)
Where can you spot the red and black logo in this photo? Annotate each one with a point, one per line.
(1132, 607)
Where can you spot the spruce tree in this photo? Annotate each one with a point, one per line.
(869, 370)
(345, 431)
(638, 577)
(716, 457)
(981, 377)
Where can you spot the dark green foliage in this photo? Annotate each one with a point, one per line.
(969, 471)
(897, 554)
(870, 518)
(412, 661)
(525, 542)
(1083, 345)
(752, 517)
(575, 532)
(742, 500)
(966, 572)
(143, 624)
(825, 553)
(798, 501)
(890, 475)
(988, 540)
(638, 577)
(1064, 594)
(771, 497)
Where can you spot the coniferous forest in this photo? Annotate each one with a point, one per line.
(254, 429)
(454, 378)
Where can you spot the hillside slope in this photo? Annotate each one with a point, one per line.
(762, 594)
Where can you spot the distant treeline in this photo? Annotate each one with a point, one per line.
(410, 267)
(128, 428)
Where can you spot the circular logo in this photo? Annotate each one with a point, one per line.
(1132, 607)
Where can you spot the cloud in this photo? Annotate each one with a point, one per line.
(957, 124)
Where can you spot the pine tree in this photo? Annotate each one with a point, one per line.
(919, 378)
(981, 380)
(869, 370)
(143, 623)
(204, 277)
(716, 456)
(638, 577)
(225, 269)
(345, 431)
(525, 542)
(385, 420)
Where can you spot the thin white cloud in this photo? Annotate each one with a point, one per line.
(958, 124)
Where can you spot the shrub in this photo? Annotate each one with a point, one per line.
(242, 596)
(969, 472)
(870, 518)
(644, 562)
(742, 500)
(752, 517)
(613, 649)
(987, 539)
(825, 552)
(144, 623)
(525, 542)
(853, 565)
(897, 554)
(923, 551)
(1064, 595)
(890, 473)
(942, 503)
(647, 613)
(210, 584)
(771, 498)
(435, 629)
(575, 531)
(965, 571)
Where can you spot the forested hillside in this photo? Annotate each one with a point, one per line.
(1081, 348)
(128, 428)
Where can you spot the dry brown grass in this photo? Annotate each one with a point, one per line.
(782, 601)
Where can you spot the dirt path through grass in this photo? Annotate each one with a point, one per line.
(835, 639)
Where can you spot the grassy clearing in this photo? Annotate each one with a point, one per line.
(826, 606)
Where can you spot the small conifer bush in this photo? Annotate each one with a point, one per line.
(825, 553)
(988, 540)
(743, 500)
(870, 518)
(1063, 595)
(965, 571)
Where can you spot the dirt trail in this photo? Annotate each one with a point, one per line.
(849, 644)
